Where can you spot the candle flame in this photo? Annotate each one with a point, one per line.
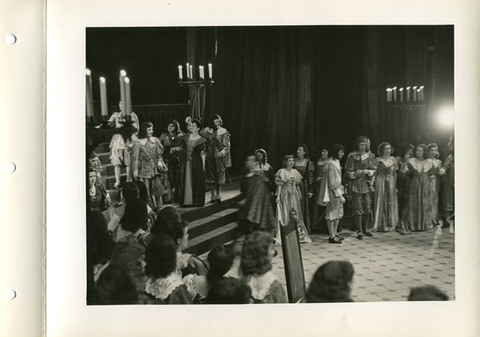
(394, 88)
(401, 89)
(88, 72)
(408, 88)
(102, 79)
(421, 87)
(123, 73)
(127, 80)
(415, 87)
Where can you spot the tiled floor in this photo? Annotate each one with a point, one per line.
(387, 265)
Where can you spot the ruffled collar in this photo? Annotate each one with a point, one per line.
(162, 287)
(261, 284)
(421, 165)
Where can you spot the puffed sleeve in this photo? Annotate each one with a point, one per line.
(189, 282)
(277, 293)
(180, 296)
(280, 177)
(334, 182)
(225, 143)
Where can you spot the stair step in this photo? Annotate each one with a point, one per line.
(190, 214)
(212, 222)
(219, 236)
(102, 148)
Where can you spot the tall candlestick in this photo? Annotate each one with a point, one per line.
(408, 93)
(123, 94)
(88, 93)
(103, 96)
(180, 73)
(191, 72)
(389, 93)
(415, 93)
(401, 94)
(128, 103)
(395, 94)
(210, 71)
(188, 70)
(421, 93)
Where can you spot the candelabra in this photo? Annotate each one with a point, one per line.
(407, 95)
(196, 87)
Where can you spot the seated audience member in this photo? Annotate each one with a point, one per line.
(427, 293)
(164, 285)
(99, 244)
(229, 291)
(114, 214)
(99, 197)
(115, 286)
(132, 222)
(255, 269)
(186, 263)
(332, 282)
(220, 260)
(143, 194)
(130, 256)
(167, 214)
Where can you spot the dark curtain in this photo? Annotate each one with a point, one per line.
(277, 87)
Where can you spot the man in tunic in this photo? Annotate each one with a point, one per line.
(360, 168)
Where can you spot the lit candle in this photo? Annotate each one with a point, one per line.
(200, 71)
(395, 94)
(388, 94)
(415, 93)
(123, 74)
(408, 93)
(421, 92)
(103, 96)
(128, 102)
(401, 94)
(210, 71)
(180, 73)
(191, 72)
(188, 70)
(88, 93)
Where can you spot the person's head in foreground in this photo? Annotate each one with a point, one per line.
(115, 287)
(332, 282)
(220, 260)
(257, 253)
(229, 291)
(427, 293)
(160, 256)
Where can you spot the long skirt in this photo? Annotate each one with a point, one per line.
(385, 204)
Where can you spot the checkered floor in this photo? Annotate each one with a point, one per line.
(387, 265)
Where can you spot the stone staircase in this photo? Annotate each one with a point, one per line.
(213, 225)
(209, 226)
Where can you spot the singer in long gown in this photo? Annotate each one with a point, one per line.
(288, 180)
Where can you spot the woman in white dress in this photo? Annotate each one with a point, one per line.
(288, 180)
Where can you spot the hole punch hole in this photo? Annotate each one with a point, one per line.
(10, 39)
(10, 294)
(10, 167)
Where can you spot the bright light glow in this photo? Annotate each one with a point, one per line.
(88, 72)
(446, 116)
(421, 87)
(401, 89)
(415, 87)
(102, 79)
(408, 88)
(127, 80)
(394, 88)
(123, 73)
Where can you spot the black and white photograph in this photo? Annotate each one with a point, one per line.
(255, 164)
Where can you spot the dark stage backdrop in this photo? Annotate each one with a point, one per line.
(276, 87)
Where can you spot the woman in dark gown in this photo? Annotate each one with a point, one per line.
(190, 184)
(304, 165)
